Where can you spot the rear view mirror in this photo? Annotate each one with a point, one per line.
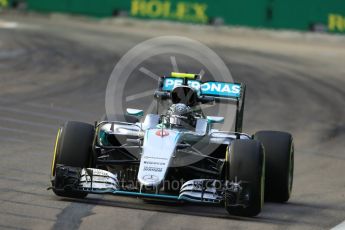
(214, 119)
(135, 112)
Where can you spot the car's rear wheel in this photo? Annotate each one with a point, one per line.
(246, 160)
(279, 150)
(72, 148)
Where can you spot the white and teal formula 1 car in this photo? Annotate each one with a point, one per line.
(177, 155)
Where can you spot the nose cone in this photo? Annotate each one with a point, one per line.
(158, 149)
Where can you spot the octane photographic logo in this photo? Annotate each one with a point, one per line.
(135, 78)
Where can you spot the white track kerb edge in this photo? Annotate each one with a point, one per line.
(165, 45)
(340, 226)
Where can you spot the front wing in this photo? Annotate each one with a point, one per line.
(99, 181)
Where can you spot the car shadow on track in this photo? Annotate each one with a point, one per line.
(202, 210)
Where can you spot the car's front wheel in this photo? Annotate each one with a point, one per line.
(72, 148)
(245, 160)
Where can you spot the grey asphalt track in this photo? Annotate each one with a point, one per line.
(54, 70)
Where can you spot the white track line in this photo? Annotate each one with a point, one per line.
(8, 25)
(340, 226)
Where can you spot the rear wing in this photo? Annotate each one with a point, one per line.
(222, 92)
(209, 88)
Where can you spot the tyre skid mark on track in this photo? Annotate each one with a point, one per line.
(24, 132)
(313, 206)
(35, 114)
(52, 106)
(11, 227)
(24, 171)
(322, 154)
(29, 123)
(14, 194)
(24, 181)
(26, 216)
(29, 204)
(13, 140)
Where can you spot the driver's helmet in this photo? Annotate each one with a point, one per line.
(180, 115)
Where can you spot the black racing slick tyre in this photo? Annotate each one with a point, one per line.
(279, 151)
(72, 148)
(246, 162)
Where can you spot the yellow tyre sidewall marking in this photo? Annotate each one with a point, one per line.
(226, 153)
(55, 152)
(262, 187)
(227, 163)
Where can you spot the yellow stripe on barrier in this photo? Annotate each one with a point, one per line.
(184, 75)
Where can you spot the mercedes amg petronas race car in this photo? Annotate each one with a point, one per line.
(177, 155)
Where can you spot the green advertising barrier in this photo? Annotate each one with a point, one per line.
(173, 10)
(293, 14)
(306, 15)
(245, 12)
